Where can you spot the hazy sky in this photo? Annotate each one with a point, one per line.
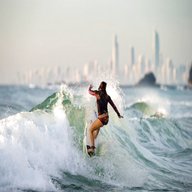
(43, 33)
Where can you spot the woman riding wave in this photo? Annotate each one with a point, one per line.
(102, 99)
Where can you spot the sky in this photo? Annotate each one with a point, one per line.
(38, 34)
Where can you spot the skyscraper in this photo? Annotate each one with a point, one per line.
(156, 50)
(132, 56)
(115, 56)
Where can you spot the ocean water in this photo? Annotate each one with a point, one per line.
(41, 133)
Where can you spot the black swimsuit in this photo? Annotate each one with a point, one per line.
(102, 101)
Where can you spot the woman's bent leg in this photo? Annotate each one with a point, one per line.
(94, 130)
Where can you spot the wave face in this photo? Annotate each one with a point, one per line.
(150, 149)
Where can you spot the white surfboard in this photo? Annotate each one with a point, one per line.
(99, 144)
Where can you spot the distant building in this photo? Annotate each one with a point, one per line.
(167, 71)
(181, 69)
(140, 66)
(86, 72)
(148, 66)
(132, 56)
(171, 74)
(156, 50)
(115, 56)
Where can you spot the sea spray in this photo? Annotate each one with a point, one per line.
(41, 150)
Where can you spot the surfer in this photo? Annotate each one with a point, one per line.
(102, 101)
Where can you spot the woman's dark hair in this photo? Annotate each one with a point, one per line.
(102, 86)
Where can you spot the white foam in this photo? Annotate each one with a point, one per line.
(37, 145)
(34, 146)
(159, 104)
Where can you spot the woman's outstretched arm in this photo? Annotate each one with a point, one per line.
(114, 107)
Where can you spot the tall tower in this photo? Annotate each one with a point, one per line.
(132, 56)
(115, 56)
(156, 50)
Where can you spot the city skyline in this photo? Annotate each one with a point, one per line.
(166, 72)
(39, 36)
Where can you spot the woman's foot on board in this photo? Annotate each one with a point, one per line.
(91, 150)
